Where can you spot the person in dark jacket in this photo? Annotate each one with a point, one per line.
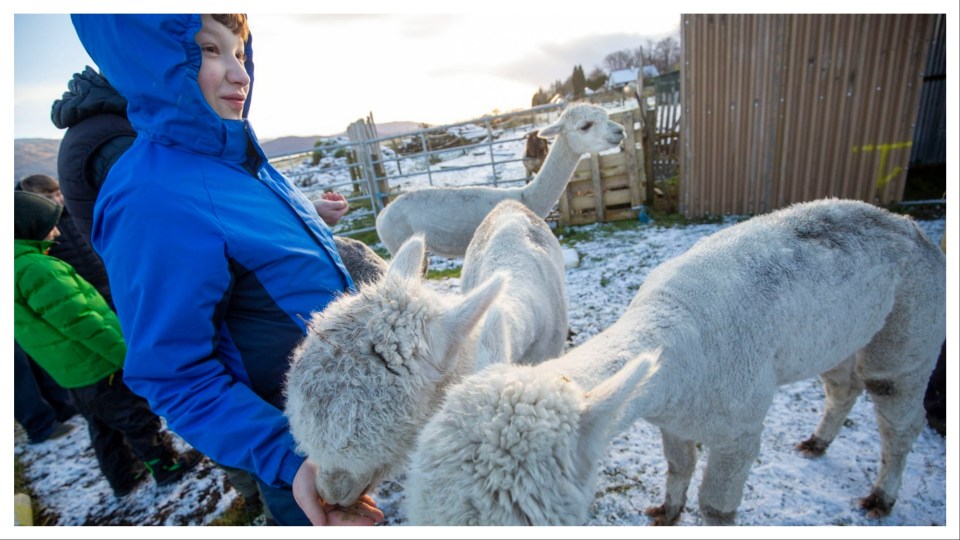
(215, 258)
(98, 132)
(66, 326)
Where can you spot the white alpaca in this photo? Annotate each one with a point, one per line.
(528, 324)
(375, 365)
(448, 216)
(837, 288)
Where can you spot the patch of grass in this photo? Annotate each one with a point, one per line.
(574, 234)
(369, 238)
(673, 219)
(236, 515)
(445, 273)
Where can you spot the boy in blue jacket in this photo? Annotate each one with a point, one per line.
(215, 258)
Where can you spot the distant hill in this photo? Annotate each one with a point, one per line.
(34, 156)
(289, 145)
(39, 156)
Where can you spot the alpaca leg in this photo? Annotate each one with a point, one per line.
(681, 457)
(842, 388)
(898, 404)
(900, 418)
(895, 368)
(727, 469)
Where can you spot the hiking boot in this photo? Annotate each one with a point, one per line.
(172, 471)
(62, 430)
(125, 487)
(253, 505)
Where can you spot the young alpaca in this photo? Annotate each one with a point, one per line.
(839, 288)
(528, 324)
(376, 365)
(448, 216)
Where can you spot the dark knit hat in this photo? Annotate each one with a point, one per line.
(34, 216)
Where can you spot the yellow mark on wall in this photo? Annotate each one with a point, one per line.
(884, 178)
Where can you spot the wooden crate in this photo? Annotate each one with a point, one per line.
(607, 187)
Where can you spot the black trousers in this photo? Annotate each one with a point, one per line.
(123, 429)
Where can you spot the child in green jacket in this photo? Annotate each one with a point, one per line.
(67, 327)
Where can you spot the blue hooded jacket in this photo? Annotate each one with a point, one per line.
(213, 255)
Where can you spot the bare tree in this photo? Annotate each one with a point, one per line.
(667, 54)
(622, 59)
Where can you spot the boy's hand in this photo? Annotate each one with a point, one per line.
(331, 207)
(363, 512)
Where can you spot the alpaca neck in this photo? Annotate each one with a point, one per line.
(605, 354)
(546, 187)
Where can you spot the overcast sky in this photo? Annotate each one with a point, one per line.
(316, 73)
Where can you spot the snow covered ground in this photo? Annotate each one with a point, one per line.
(784, 489)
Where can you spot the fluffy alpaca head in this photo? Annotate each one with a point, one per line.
(371, 370)
(585, 128)
(514, 445)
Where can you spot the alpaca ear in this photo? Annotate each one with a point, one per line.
(550, 131)
(606, 402)
(493, 344)
(410, 260)
(453, 327)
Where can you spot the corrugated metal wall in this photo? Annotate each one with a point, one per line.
(930, 137)
(787, 108)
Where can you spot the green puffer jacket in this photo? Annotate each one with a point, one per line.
(61, 320)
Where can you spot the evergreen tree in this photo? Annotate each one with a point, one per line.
(540, 98)
(579, 82)
(597, 79)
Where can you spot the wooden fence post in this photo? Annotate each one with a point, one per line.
(597, 186)
(630, 154)
(565, 218)
(649, 147)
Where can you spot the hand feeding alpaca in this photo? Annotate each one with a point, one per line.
(375, 365)
(837, 288)
(448, 216)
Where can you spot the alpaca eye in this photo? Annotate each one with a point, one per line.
(586, 126)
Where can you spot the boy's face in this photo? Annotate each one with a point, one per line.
(223, 79)
(53, 234)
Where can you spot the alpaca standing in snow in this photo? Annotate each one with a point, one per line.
(837, 288)
(528, 324)
(375, 365)
(448, 216)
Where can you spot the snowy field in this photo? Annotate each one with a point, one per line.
(784, 489)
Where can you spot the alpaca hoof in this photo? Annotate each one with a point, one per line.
(663, 515)
(812, 447)
(713, 517)
(876, 505)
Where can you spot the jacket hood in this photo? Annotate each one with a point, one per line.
(153, 62)
(88, 94)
